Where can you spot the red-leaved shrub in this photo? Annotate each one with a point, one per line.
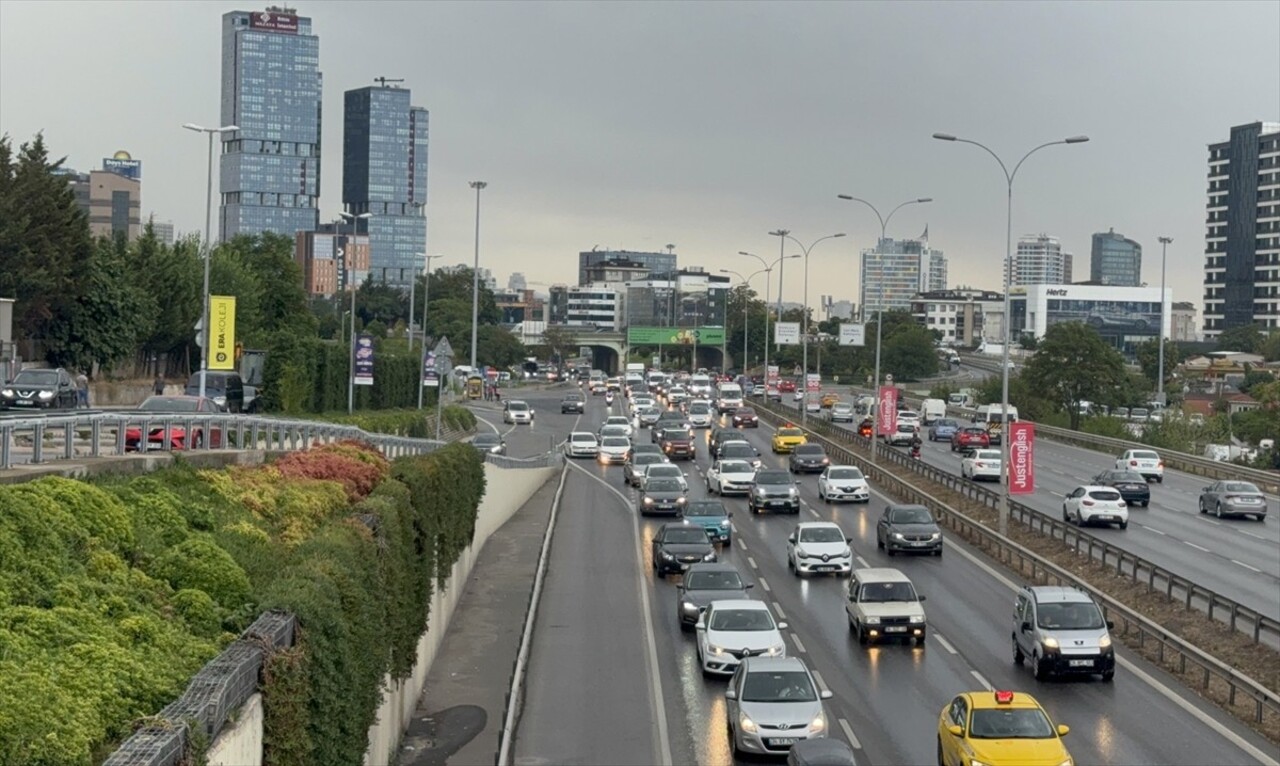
(357, 466)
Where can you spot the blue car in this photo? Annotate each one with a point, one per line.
(712, 516)
(942, 430)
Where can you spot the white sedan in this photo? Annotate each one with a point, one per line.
(819, 547)
(622, 421)
(1142, 461)
(843, 482)
(981, 464)
(581, 444)
(1095, 505)
(726, 628)
(909, 416)
(730, 476)
(614, 450)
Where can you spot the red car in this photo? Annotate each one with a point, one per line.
(970, 436)
(787, 386)
(174, 406)
(745, 417)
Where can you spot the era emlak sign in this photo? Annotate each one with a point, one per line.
(1022, 458)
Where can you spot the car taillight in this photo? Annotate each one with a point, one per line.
(979, 465)
(1160, 464)
(1087, 502)
(1133, 462)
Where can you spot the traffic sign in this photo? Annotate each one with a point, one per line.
(443, 348)
(853, 335)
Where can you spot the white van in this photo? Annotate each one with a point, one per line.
(728, 397)
(635, 367)
(700, 386)
(931, 410)
(990, 416)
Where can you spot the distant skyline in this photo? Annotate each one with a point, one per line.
(707, 125)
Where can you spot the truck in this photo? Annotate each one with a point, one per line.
(635, 367)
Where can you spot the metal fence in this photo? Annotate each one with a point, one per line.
(1187, 656)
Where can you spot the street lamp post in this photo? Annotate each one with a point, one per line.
(422, 363)
(1164, 244)
(746, 317)
(351, 351)
(781, 234)
(768, 277)
(208, 245)
(875, 387)
(804, 339)
(475, 277)
(1008, 274)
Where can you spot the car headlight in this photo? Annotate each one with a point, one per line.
(776, 650)
(826, 461)
(746, 724)
(976, 762)
(648, 501)
(935, 536)
(686, 606)
(1051, 643)
(898, 536)
(846, 554)
(917, 620)
(792, 492)
(495, 450)
(6, 392)
(802, 554)
(760, 491)
(1104, 642)
(818, 724)
(711, 556)
(873, 620)
(681, 500)
(724, 523)
(715, 650)
(1068, 762)
(45, 394)
(666, 555)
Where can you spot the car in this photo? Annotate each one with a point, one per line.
(648, 416)
(641, 401)
(704, 583)
(798, 395)
(808, 458)
(712, 516)
(1133, 487)
(730, 476)
(677, 394)
(723, 436)
(819, 547)
(572, 403)
(677, 444)
(908, 529)
(787, 438)
(1093, 504)
(613, 384)
(733, 629)
(177, 434)
(1233, 498)
(999, 728)
(53, 389)
(910, 417)
(666, 471)
(787, 387)
(613, 430)
(843, 482)
(517, 412)
(745, 417)
(489, 444)
(772, 705)
(773, 490)
(224, 387)
(676, 547)
(582, 444)
(811, 404)
(902, 435)
(741, 451)
(701, 414)
(633, 471)
(943, 429)
(647, 449)
(970, 437)
(773, 394)
(673, 418)
(1143, 461)
(1062, 631)
(621, 424)
(881, 603)
(828, 400)
(841, 412)
(614, 450)
(981, 464)
(661, 496)
(821, 751)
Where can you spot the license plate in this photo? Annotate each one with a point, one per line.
(1080, 663)
(777, 503)
(896, 629)
(920, 544)
(826, 568)
(1105, 517)
(782, 741)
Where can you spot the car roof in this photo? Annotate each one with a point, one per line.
(712, 566)
(772, 664)
(1058, 594)
(738, 603)
(985, 700)
(819, 525)
(880, 574)
(582, 433)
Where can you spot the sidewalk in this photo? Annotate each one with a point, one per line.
(459, 717)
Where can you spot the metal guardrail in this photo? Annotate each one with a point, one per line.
(1013, 555)
(1239, 617)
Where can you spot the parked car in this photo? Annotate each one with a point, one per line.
(1132, 486)
(1233, 498)
(39, 390)
(177, 434)
(225, 388)
(676, 547)
(908, 529)
(1092, 504)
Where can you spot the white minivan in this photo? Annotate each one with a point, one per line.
(931, 410)
(728, 397)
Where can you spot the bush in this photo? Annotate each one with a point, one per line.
(358, 469)
(199, 563)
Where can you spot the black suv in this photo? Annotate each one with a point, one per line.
(226, 389)
(1133, 487)
(773, 491)
(572, 403)
(39, 390)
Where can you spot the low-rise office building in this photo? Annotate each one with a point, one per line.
(1125, 317)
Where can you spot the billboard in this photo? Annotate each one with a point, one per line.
(364, 360)
(222, 336)
(1108, 317)
(853, 334)
(887, 410)
(786, 333)
(122, 164)
(1022, 458)
(272, 21)
(430, 376)
(675, 336)
(813, 382)
(771, 376)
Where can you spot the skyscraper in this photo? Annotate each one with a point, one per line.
(1115, 260)
(1241, 247)
(270, 167)
(1039, 260)
(896, 270)
(384, 173)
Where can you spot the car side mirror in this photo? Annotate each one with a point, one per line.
(955, 731)
(749, 586)
(1026, 627)
(680, 587)
(782, 626)
(848, 539)
(730, 694)
(826, 695)
(791, 538)
(921, 598)
(1063, 730)
(1111, 625)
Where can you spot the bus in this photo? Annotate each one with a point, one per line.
(990, 415)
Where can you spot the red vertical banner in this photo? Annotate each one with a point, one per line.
(1022, 458)
(888, 410)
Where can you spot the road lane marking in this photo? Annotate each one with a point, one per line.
(863, 562)
(809, 508)
(1151, 529)
(1210, 521)
(765, 584)
(741, 545)
(778, 608)
(799, 646)
(945, 643)
(1197, 547)
(822, 685)
(1246, 566)
(1252, 534)
(848, 734)
(752, 562)
(985, 683)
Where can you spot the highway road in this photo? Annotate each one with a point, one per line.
(1237, 558)
(613, 680)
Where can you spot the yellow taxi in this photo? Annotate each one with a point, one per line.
(999, 728)
(829, 399)
(788, 438)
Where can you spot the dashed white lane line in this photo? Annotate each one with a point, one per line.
(741, 545)
(1209, 521)
(1251, 534)
(778, 608)
(985, 683)
(822, 685)
(799, 646)
(848, 734)
(1246, 566)
(1197, 547)
(863, 562)
(1151, 529)
(810, 509)
(752, 562)
(945, 643)
(765, 584)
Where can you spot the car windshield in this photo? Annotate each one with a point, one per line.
(666, 472)
(745, 413)
(672, 434)
(652, 412)
(845, 474)
(616, 441)
(821, 535)
(735, 466)
(1076, 615)
(582, 438)
(659, 484)
(741, 619)
(487, 440)
(814, 450)
(975, 431)
(945, 424)
(883, 592)
(906, 428)
(910, 516)
(699, 409)
(1010, 723)
(738, 450)
(169, 404)
(781, 686)
(613, 431)
(1124, 476)
(773, 477)
(983, 454)
(36, 378)
(645, 458)
(1144, 455)
(618, 420)
(685, 536)
(1104, 494)
(712, 581)
(570, 399)
(790, 432)
(517, 407)
(842, 406)
(1240, 486)
(706, 508)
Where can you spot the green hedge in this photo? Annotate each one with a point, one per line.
(113, 594)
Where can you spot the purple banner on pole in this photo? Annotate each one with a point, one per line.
(364, 360)
(429, 375)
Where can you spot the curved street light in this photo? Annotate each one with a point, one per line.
(746, 305)
(804, 339)
(768, 270)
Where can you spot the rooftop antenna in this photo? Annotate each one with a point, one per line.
(384, 80)
(670, 248)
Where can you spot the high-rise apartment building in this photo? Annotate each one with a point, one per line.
(517, 282)
(656, 263)
(896, 270)
(1242, 230)
(1039, 260)
(270, 167)
(384, 173)
(1115, 260)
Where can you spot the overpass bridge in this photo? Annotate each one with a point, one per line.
(611, 350)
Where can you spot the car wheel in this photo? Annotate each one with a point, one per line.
(1018, 656)
(1065, 517)
(1159, 480)
(1039, 670)
(1109, 676)
(1124, 525)
(1202, 508)
(862, 635)
(1146, 503)
(1217, 509)
(941, 762)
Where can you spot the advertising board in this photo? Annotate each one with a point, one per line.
(888, 410)
(1022, 453)
(674, 336)
(853, 335)
(786, 333)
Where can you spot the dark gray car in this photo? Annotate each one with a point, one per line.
(1233, 498)
(908, 528)
(704, 583)
(489, 444)
(676, 547)
(740, 451)
(572, 403)
(773, 490)
(633, 471)
(808, 458)
(662, 496)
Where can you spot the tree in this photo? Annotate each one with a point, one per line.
(1148, 354)
(495, 345)
(1270, 346)
(105, 322)
(1254, 378)
(1073, 364)
(909, 353)
(1246, 338)
(560, 340)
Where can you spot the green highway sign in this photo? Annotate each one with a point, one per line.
(675, 336)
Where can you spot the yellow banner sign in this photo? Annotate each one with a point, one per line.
(222, 334)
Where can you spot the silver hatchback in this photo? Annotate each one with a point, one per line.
(773, 703)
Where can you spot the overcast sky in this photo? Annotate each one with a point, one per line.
(706, 125)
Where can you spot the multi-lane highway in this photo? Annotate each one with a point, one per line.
(613, 680)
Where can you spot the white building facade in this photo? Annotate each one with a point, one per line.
(1125, 317)
(898, 269)
(1039, 260)
(964, 317)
